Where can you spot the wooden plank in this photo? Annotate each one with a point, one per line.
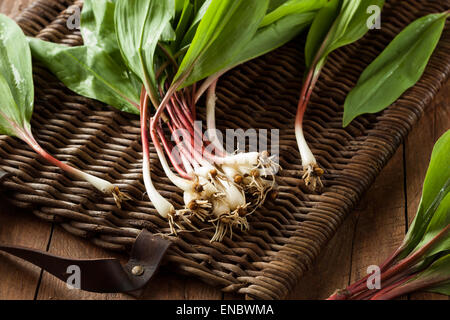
(331, 270)
(64, 244)
(170, 286)
(419, 146)
(165, 286)
(381, 226)
(361, 241)
(14, 7)
(18, 279)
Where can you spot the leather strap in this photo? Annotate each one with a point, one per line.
(103, 275)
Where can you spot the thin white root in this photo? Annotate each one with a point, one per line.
(225, 224)
(224, 195)
(312, 176)
(119, 197)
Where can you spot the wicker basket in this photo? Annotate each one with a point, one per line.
(286, 234)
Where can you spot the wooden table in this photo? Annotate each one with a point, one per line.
(366, 238)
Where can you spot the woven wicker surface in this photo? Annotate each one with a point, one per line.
(287, 234)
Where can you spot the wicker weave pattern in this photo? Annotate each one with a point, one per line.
(287, 234)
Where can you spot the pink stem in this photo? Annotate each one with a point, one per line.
(401, 267)
(182, 145)
(172, 158)
(360, 285)
(305, 95)
(393, 291)
(30, 140)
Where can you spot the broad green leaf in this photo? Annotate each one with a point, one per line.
(140, 25)
(348, 26)
(438, 272)
(319, 30)
(179, 6)
(90, 72)
(435, 278)
(291, 7)
(217, 42)
(436, 188)
(183, 23)
(199, 13)
(439, 221)
(16, 84)
(97, 26)
(275, 35)
(397, 69)
(274, 4)
(441, 289)
(10, 112)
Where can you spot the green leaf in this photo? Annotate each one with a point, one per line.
(10, 112)
(97, 26)
(179, 7)
(291, 7)
(397, 69)
(439, 221)
(438, 272)
(199, 13)
(349, 26)
(16, 78)
(216, 43)
(319, 30)
(140, 25)
(275, 35)
(433, 211)
(274, 4)
(90, 72)
(183, 24)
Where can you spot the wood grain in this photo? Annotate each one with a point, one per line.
(419, 146)
(13, 7)
(367, 236)
(18, 279)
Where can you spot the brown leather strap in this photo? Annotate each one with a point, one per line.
(103, 275)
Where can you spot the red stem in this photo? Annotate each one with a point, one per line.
(401, 267)
(391, 287)
(182, 145)
(182, 172)
(360, 285)
(181, 117)
(415, 257)
(305, 95)
(366, 295)
(154, 135)
(28, 137)
(186, 111)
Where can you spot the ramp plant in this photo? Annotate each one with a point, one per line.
(17, 102)
(339, 23)
(158, 58)
(397, 68)
(422, 262)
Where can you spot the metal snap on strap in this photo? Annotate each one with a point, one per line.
(138, 271)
